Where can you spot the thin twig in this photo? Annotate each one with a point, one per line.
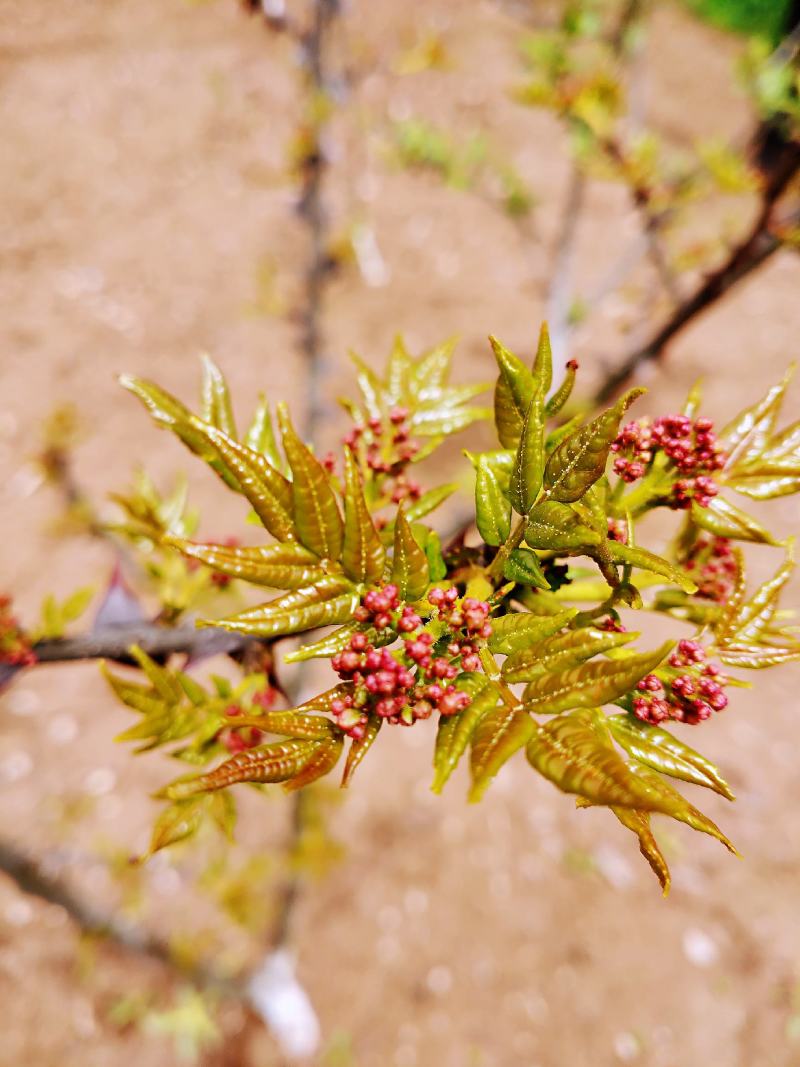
(758, 245)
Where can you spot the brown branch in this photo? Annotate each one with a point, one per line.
(757, 246)
(114, 642)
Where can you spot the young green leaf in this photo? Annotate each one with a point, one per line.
(455, 731)
(492, 505)
(523, 566)
(543, 362)
(216, 401)
(178, 822)
(331, 600)
(410, 571)
(277, 762)
(281, 566)
(316, 513)
(639, 823)
(726, 520)
(320, 762)
(260, 436)
(556, 527)
(495, 739)
(526, 478)
(564, 391)
(649, 561)
(658, 749)
(560, 652)
(359, 748)
(513, 395)
(581, 458)
(523, 629)
(591, 684)
(363, 555)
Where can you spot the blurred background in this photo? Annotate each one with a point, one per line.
(185, 176)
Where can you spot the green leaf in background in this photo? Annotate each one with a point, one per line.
(216, 400)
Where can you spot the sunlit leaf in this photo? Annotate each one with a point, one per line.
(316, 513)
(560, 652)
(331, 600)
(455, 731)
(557, 527)
(363, 555)
(639, 823)
(523, 629)
(649, 561)
(216, 400)
(410, 571)
(281, 566)
(277, 762)
(321, 762)
(495, 739)
(523, 566)
(726, 520)
(359, 748)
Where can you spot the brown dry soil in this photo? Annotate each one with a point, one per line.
(144, 188)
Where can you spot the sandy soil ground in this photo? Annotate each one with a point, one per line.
(143, 190)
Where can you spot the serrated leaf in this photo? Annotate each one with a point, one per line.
(581, 458)
(746, 435)
(454, 731)
(639, 823)
(276, 762)
(363, 555)
(331, 600)
(757, 657)
(410, 570)
(523, 629)
(162, 680)
(760, 486)
(752, 618)
(560, 652)
(281, 566)
(591, 684)
(359, 748)
(296, 723)
(523, 566)
(495, 739)
(267, 491)
(556, 527)
(661, 751)
(726, 520)
(649, 561)
(678, 807)
(315, 511)
(444, 419)
(216, 401)
(139, 697)
(398, 371)
(321, 762)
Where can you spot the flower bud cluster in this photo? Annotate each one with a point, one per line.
(411, 683)
(240, 738)
(712, 565)
(389, 449)
(692, 448)
(15, 648)
(691, 696)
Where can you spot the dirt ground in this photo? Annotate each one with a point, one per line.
(144, 192)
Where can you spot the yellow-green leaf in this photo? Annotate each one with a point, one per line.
(359, 748)
(559, 652)
(639, 823)
(526, 477)
(277, 762)
(523, 566)
(649, 561)
(591, 684)
(410, 570)
(316, 513)
(522, 629)
(726, 520)
(332, 600)
(281, 566)
(495, 739)
(363, 555)
(321, 762)
(581, 458)
(556, 527)
(455, 731)
(216, 400)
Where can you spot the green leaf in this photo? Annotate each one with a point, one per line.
(331, 600)
(751, 619)
(455, 731)
(316, 513)
(281, 566)
(543, 362)
(523, 629)
(649, 561)
(410, 571)
(757, 657)
(523, 566)
(370, 386)
(216, 400)
(726, 520)
(265, 488)
(560, 652)
(591, 684)
(495, 739)
(513, 395)
(526, 478)
(745, 437)
(658, 749)
(556, 527)
(321, 762)
(754, 483)
(163, 681)
(363, 555)
(429, 502)
(398, 371)
(139, 697)
(261, 435)
(581, 458)
(277, 762)
(639, 823)
(176, 823)
(433, 553)
(432, 368)
(295, 723)
(359, 748)
(564, 391)
(492, 505)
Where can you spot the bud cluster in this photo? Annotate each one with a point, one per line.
(691, 447)
(240, 738)
(413, 682)
(691, 696)
(15, 648)
(712, 565)
(389, 450)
